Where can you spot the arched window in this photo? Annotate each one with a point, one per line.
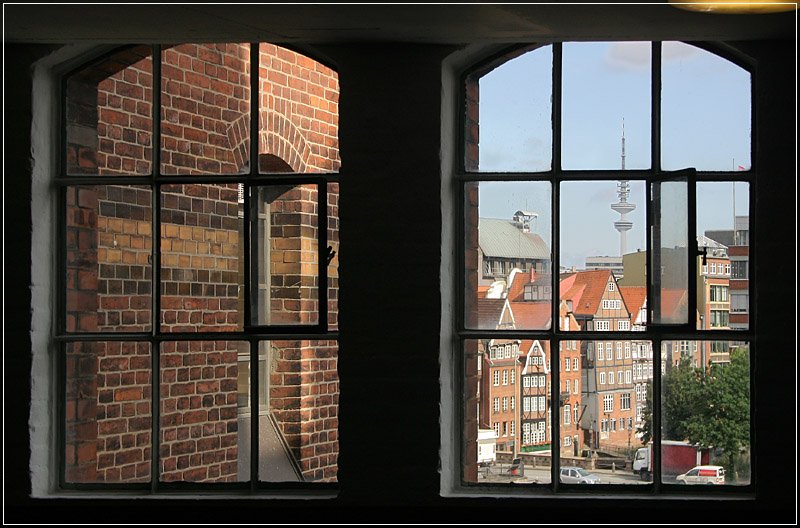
(198, 270)
(631, 161)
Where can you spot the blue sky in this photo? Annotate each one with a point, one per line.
(705, 124)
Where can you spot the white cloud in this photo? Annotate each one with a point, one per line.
(628, 56)
(677, 50)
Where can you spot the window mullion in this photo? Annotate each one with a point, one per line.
(155, 274)
(692, 249)
(555, 385)
(322, 255)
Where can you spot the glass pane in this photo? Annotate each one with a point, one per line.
(108, 252)
(615, 377)
(509, 114)
(705, 111)
(201, 258)
(509, 281)
(299, 120)
(606, 105)
(109, 115)
(723, 296)
(602, 241)
(299, 427)
(205, 109)
(285, 260)
(508, 412)
(244, 409)
(705, 401)
(108, 415)
(670, 253)
(333, 256)
(200, 438)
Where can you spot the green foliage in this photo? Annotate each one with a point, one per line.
(646, 429)
(710, 407)
(682, 395)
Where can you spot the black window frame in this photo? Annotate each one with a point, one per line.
(252, 334)
(655, 333)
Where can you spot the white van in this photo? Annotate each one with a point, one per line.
(703, 475)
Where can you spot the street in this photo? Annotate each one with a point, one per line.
(541, 475)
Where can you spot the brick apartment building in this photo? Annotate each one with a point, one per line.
(635, 298)
(607, 376)
(500, 372)
(204, 386)
(737, 242)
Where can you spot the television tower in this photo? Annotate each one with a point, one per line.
(622, 206)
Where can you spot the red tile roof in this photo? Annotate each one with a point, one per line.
(489, 312)
(532, 315)
(517, 287)
(594, 283)
(634, 297)
(673, 300)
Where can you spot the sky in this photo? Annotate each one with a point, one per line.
(605, 87)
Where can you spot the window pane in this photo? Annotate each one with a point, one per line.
(602, 241)
(512, 102)
(606, 105)
(285, 278)
(298, 429)
(333, 256)
(109, 127)
(108, 252)
(199, 431)
(108, 415)
(705, 401)
(496, 433)
(508, 265)
(670, 253)
(205, 109)
(705, 111)
(614, 409)
(299, 120)
(722, 227)
(201, 258)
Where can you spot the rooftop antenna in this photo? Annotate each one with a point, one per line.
(623, 225)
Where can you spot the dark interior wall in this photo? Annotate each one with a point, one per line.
(390, 312)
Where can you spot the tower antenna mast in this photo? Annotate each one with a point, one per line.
(623, 225)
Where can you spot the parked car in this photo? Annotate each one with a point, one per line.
(703, 475)
(577, 475)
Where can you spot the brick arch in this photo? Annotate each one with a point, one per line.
(280, 137)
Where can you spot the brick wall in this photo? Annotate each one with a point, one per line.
(472, 380)
(205, 114)
(124, 418)
(300, 116)
(198, 411)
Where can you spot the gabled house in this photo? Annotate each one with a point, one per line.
(607, 379)
(535, 391)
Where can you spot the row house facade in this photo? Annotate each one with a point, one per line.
(536, 409)
(570, 390)
(499, 410)
(607, 377)
(641, 350)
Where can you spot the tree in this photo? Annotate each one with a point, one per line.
(722, 415)
(646, 429)
(681, 390)
(709, 407)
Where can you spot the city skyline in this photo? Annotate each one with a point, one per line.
(705, 124)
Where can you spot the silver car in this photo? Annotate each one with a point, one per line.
(578, 475)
